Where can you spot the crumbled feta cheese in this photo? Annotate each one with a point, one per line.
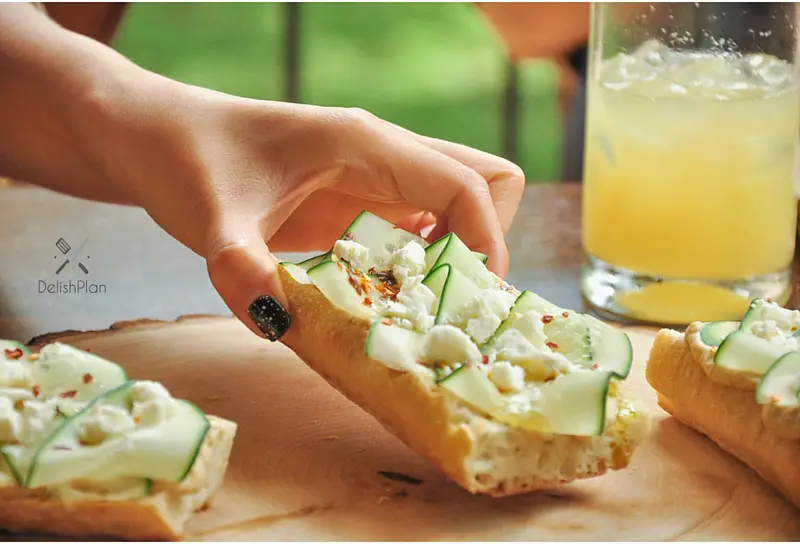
(512, 346)
(38, 418)
(507, 377)
(152, 403)
(147, 390)
(482, 315)
(352, 252)
(14, 374)
(521, 403)
(407, 262)
(448, 344)
(414, 303)
(772, 332)
(532, 328)
(10, 421)
(103, 421)
(482, 328)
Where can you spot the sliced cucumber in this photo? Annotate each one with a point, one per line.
(611, 348)
(334, 280)
(455, 292)
(297, 272)
(18, 459)
(394, 346)
(747, 354)
(162, 452)
(435, 281)
(780, 385)
(433, 251)
(575, 403)
(75, 375)
(10, 350)
(568, 335)
(712, 334)
(455, 253)
(377, 235)
(761, 310)
(471, 385)
(311, 262)
(526, 301)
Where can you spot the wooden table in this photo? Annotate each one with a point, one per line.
(145, 273)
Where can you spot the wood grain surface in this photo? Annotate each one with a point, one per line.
(309, 465)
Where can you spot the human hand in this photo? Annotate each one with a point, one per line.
(234, 179)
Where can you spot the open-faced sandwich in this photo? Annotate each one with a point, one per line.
(88, 453)
(503, 391)
(738, 383)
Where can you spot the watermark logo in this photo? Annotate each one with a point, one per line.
(65, 249)
(77, 259)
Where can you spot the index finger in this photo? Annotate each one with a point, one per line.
(458, 196)
(506, 180)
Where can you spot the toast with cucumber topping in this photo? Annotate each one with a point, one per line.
(739, 384)
(502, 390)
(87, 453)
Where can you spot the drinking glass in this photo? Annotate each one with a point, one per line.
(689, 207)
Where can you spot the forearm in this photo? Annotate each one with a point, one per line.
(57, 99)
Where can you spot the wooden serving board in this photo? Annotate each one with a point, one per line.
(309, 465)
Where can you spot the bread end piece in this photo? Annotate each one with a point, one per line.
(161, 515)
(726, 414)
(479, 454)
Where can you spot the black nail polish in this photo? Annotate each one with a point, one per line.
(270, 317)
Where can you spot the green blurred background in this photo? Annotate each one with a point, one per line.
(437, 69)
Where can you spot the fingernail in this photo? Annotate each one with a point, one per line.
(270, 317)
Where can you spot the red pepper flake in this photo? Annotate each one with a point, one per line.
(485, 359)
(88, 378)
(354, 282)
(594, 366)
(13, 353)
(547, 318)
(565, 314)
(62, 448)
(386, 321)
(348, 236)
(68, 394)
(367, 303)
(552, 345)
(35, 390)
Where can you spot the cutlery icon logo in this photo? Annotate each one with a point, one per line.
(64, 247)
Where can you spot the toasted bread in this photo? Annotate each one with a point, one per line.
(724, 410)
(479, 453)
(161, 515)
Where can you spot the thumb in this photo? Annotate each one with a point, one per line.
(244, 273)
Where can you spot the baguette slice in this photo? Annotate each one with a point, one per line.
(162, 515)
(480, 454)
(728, 414)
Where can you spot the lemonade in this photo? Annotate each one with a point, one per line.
(689, 175)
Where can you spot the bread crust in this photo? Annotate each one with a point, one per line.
(727, 414)
(332, 342)
(159, 516)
